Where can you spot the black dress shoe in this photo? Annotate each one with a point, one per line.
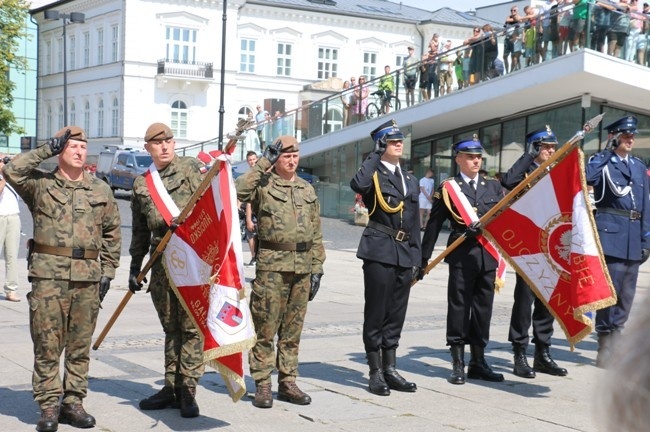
(49, 421)
(397, 382)
(75, 415)
(545, 364)
(289, 392)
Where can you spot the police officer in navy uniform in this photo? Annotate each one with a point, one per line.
(390, 250)
(621, 191)
(472, 269)
(540, 146)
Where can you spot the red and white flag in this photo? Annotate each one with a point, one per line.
(204, 262)
(548, 235)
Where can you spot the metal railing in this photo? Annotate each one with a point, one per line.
(480, 59)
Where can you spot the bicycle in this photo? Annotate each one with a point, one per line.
(376, 108)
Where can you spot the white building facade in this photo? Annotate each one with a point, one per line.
(133, 63)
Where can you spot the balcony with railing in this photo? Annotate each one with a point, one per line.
(184, 71)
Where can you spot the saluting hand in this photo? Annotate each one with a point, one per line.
(58, 144)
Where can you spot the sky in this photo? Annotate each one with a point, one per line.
(459, 5)
(431, 5)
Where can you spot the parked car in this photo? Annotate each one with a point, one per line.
(119, 168)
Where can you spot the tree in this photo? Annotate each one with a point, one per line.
(13, 14)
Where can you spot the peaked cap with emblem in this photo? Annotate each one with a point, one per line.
(625, 124)
(543, 135)
(469, 146)
(388, 131)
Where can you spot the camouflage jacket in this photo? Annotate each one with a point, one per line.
(287, 212)
(181, 178)
(70, 214)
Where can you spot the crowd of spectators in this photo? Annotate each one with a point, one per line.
(533, 35)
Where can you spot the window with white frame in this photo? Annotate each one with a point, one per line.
(328, 62)
(115, 42)
(87, 117)
(100, 118)
(86, 49)
(247, 56)
(115, 117)
(370, 65)
(245, 113)
(72, 48)
(179, 119)
(48, 121)
(47, 64)
(59, 55)
(73, 113)
(284, 59)
(399, 61)
(61, 119)
(100, 46)
(181, 45)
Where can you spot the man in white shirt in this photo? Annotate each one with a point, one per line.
(9, 234)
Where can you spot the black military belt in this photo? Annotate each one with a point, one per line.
(292, 247)
(632, 214)
(74, 253)
(399, 235)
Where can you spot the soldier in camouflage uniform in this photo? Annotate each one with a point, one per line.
(180, 177)
(75, 251)
(289, 266)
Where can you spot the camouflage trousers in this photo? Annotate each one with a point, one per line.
(62, 317)
(278, 306)
(183, 343)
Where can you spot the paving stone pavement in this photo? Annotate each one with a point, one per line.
(129, 364)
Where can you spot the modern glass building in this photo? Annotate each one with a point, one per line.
(24, 94)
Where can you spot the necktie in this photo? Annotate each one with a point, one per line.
(398, 174)
(472, 184)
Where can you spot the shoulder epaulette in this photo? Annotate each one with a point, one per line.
(639, 159)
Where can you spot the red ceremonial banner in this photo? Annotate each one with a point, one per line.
(204, 261)
(548, 235)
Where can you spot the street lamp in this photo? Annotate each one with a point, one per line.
(74, 17)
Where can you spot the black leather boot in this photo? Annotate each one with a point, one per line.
(457, 364)
(189, 407)
(478, 367)
(394, 380)
(545, 364)
(605, 342)
(377, 385)
(522, 368)
(165, 398)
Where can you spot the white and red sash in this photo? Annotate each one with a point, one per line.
(469, 215)
(159, 195)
